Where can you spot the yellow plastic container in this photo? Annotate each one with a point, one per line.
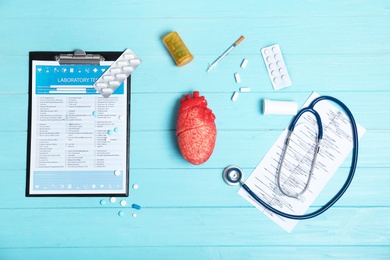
(177, 49)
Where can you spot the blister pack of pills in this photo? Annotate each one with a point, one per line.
(276, 67)
(117, 73)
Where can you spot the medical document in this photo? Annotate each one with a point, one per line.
(335, 147)
(78, 139)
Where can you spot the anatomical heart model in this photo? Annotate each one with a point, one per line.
(195, 129)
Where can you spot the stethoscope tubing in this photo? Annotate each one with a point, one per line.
(352, 170)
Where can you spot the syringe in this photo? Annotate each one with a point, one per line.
(223, 55)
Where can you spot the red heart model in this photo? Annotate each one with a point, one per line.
(195, 129)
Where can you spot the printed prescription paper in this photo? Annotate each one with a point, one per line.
(78, 139)
(335, 147)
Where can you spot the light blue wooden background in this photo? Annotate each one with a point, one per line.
(339, 48)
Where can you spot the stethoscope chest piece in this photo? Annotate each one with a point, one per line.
(232, 175)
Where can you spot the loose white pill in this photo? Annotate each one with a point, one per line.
(235, 96)
(245, 90)
(123, 203)
(117, 172)
(112, 199)
(237, 77)
(244, 63)
(135, 186)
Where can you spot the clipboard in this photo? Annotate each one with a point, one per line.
(78, 140)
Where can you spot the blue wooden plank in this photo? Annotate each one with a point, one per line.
(201, 252)
(196, 188)
(152, 148)
(352, 37)
(335, 72)
(201, 8)
(177, 227)
(157, 149)
(370, 109)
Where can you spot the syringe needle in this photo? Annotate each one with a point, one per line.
(223, 55)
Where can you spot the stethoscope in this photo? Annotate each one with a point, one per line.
(233, 175)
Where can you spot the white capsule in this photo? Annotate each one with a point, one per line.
(115, 71)
(244, 63)
(121, 63)
(235, 96)
(237, 77)
(108, 77)
(114, 83)
(121, 76)
(135, 61)
(245, 90)
(106, 90)
(128, 56)
(128, 69)
(101, 85)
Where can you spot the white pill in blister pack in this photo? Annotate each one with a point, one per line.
(117, 73)
(276, 67)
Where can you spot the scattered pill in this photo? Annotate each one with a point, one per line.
(244, 63)
(237, 77)
(134, 215)
(123, 203)
(245, 89)
(117, 172)
(95, 113)
(112, 199)
(135, 206)
(110, 132)
(235, 96)
(135, 186)
(121, 213)
(102, 202)
(116, 129)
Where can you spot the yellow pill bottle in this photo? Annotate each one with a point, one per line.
(178, 50)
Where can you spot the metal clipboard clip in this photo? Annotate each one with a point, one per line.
(79, 57)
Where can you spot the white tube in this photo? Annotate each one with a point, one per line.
(273, 107)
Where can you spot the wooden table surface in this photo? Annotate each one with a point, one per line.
(339, 48)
